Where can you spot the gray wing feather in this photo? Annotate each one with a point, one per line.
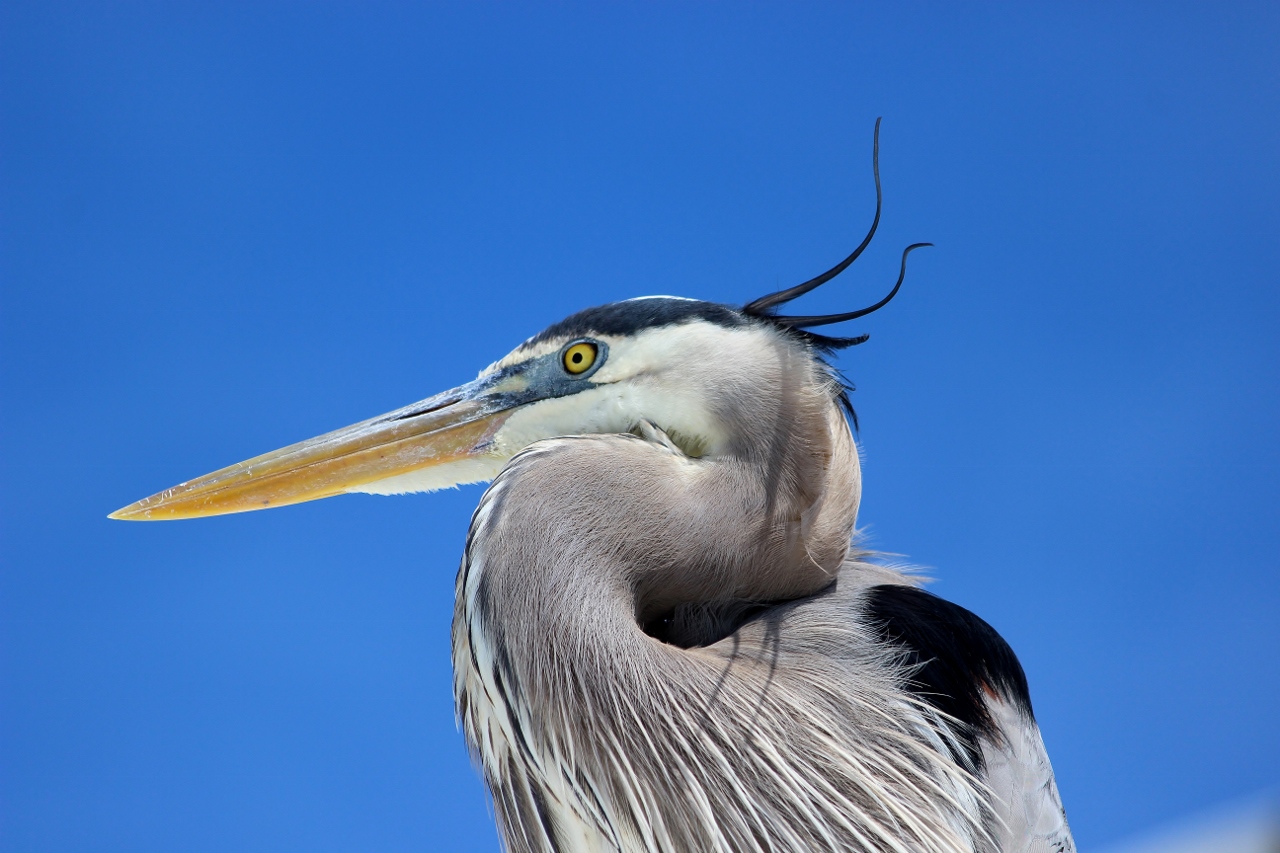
(1021, 778)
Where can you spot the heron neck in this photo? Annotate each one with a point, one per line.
(611, 534)
(579, 546)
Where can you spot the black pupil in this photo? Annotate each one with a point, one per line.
(577, 358)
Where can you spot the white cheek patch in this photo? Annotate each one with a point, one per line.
(640, 380)
(665, 374)
(601, 409)
(678, 413)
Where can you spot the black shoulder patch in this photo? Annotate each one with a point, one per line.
(958, 658)
(633, 315)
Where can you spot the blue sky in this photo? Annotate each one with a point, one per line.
(226, 227)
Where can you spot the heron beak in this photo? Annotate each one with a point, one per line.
(448, 427)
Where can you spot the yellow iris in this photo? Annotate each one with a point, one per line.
(579, 357)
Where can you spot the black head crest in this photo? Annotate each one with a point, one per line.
(765, 307)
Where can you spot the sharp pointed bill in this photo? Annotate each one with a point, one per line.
(442, 441)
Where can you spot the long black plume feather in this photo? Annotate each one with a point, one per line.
(764, 307)
(828, 319)
(764, 303)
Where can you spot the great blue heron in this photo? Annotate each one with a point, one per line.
(662, 639)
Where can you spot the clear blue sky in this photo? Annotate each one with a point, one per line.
(225, 227)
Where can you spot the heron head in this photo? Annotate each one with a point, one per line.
(716, 380)
(707, 375)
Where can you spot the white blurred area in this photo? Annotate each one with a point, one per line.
(1252, 826)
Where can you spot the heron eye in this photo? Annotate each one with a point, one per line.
(579, 357)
